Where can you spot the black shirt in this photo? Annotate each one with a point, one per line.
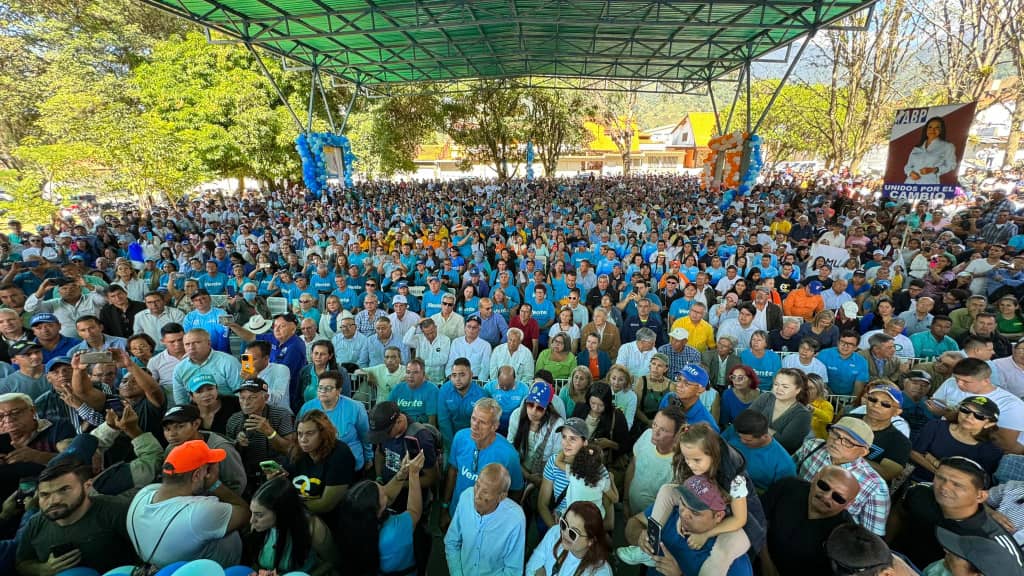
(337, 469)
(889, 444)
(796, 543)
(779, 344)
(921, 515)
(228, 407)
(120, 323)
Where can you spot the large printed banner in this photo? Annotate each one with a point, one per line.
(925, 149)
(835, 257)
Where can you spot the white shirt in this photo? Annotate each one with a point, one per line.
(1011, 408)
(1011, 376)
(477, 352)
(904, 347)
(161, 366)
(147, 322)
(402, 325)
(278, 379)
(454, 327)
(521, 361)
(543, 557)
(88, 305)
(815, 367)
(434, 354)
(636, 362)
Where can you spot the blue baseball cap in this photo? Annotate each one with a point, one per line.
(540, 394)
(44, 318)
(815, 287)
(693, 373)
(893, 392)
(57, 362)
(200, 380)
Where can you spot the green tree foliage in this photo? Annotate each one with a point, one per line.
(796, 124)
(489, 123)
(386, 133)
(556, 123)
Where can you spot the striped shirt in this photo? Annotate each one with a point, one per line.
(870, 508)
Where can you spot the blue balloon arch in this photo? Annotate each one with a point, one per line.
(314, 166)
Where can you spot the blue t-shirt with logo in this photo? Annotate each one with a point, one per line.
(418, 404)
(468, 461)
(842, 374)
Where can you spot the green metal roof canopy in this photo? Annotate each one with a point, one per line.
(376, 43)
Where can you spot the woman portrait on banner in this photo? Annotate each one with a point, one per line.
(933, 156)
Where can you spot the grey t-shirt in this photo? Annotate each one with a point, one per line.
(195, 526)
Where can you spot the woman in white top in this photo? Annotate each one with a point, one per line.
(932, 157)
(577, 545)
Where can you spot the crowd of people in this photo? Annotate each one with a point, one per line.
(506, 378)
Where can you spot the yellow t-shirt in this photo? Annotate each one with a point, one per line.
(702, 336)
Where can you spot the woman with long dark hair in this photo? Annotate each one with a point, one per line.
(371, 538)
(531, 429)
(285, 536)
(577, 544)
(325, 465)
(970, 434)
(322, 360)
(607, 425)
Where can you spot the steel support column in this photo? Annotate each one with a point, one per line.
(348, 109)
(273, 83)
(782, 82)
(312, 98)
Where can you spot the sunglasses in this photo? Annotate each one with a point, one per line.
(977, 416)
(574, 534)
(447, 303)
(883, 403)
(825, 487)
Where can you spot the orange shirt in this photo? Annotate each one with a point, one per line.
(800, 303)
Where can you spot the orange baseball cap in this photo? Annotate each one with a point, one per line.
(190, 456)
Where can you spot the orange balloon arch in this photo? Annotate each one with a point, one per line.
(723, 164)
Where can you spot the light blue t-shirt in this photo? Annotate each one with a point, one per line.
(468, 461)
(353, 426)
(842, 374)
(395, 543)
(766, 367)
(419, 404)
(767, 464)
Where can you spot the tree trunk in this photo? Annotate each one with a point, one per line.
(1013, 140)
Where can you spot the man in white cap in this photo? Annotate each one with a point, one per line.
(402, 318)
(430, 345)
(678, 350)
(350, 346)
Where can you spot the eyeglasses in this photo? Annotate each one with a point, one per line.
(12, 414)
(574, 534)
(844, 441)
(738, 377)
(882, 403)
(847, 343)
(836, 497)
(447, 303)
(977, 416)
(325, 388)
(306, 301)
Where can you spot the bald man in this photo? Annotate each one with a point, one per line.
(488, 533)
(800, 516)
